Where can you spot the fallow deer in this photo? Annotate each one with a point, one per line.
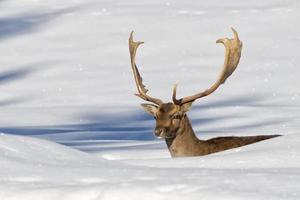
(172, 123)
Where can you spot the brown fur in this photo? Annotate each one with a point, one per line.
(180, 137)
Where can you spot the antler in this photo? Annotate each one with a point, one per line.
(232, 58)
(138, 79)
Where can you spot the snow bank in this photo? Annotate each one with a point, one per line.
(38, 169)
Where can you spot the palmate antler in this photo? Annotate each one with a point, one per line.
(232, 58)
(138, 79)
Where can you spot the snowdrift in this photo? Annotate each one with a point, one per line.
(37, 169)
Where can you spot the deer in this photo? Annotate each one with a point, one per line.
(172, 122)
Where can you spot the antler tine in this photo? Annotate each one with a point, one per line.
(142, 91)
(232, 57)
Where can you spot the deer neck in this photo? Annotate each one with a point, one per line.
(185, 142)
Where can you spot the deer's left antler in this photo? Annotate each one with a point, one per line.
(232, 57)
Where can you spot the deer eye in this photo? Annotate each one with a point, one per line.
(155, 117)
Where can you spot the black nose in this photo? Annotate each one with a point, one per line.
(159, 131)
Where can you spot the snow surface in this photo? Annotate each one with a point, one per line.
(73, 130)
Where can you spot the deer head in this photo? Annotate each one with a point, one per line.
(170, 117)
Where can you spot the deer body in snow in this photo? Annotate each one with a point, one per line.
(172, 123)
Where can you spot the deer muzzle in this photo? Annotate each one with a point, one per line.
(160, 132)
(164, 133)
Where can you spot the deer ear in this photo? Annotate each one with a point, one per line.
(186, 107)
(151, 109)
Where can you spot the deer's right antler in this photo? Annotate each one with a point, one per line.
(142, 91)
(232, 58)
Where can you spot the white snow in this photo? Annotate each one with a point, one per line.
(72, 128)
